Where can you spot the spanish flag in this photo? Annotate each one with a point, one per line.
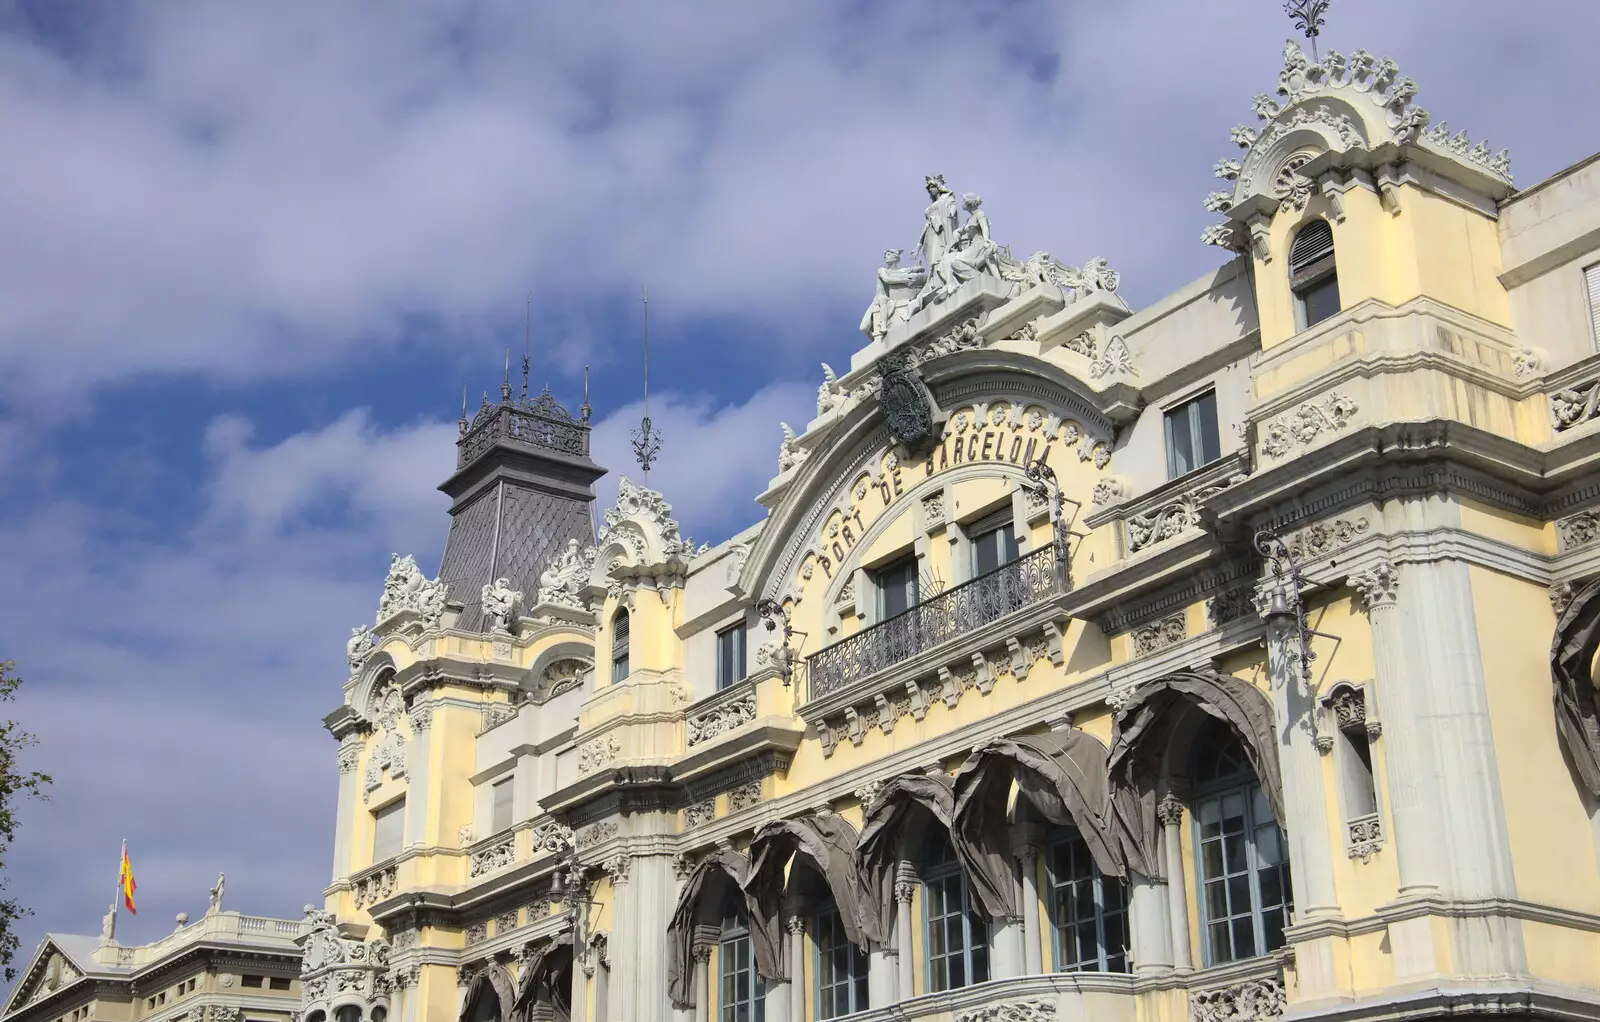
(125, 881)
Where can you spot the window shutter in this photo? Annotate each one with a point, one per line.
(1591, 277)
(1314, 241)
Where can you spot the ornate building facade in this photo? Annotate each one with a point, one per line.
(223, 967)
(1192, 662)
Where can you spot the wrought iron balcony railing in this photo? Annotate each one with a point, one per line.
(541, 424)
(970, 605)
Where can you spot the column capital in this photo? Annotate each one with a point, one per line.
(1378, 585)
(1170, 810)
(702, 953)
(903, 890)
(796, 925)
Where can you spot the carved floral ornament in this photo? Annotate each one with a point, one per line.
(1000, 432)
(1342, 103)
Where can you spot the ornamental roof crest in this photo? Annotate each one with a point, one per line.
(639, 530)
(1334, 104)
(953, 251)
(407, 589)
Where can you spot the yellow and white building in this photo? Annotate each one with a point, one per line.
(1192, 662)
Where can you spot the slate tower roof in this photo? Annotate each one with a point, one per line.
(523, 486)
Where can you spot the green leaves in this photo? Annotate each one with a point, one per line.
(13, 785)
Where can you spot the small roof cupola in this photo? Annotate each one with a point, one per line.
(1340, 123)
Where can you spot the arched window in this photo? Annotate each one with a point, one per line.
(841, 967)
(957, 935)
(1089, 910)
(348, 1013)
(619, 646)
(742, 995)
(1313, 278)
(1243, 862)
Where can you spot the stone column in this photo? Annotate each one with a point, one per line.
(882, 967)
(650, 886)
(1170, 812)
(1440, 755)
(1032, 936)
(796, 926)
(1300, 766)
(1406, 739)
(626, 944)
(417, 759)
(582, 969)
(904, 886)
(349, 759)
(702, 989)
(1147, 919)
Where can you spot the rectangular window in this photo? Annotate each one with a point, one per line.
(1244, 874)
(500, 816)
(742, 998)
(1090, 911)
(388, 831)
(730, 656)
(897, 587)
(994, 542)
(841, 968)
(619, 646)
(280, 982)
(1192, 438)
(250, 981)
(1591, 283)
(957, 937)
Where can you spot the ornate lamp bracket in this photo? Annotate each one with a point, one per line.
(1042, 476)
(1282, 605)
(774, 616)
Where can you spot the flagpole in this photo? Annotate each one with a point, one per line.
(116, 901)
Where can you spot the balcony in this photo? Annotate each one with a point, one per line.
(971, 605)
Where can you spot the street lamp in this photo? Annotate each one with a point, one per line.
(1044, 477)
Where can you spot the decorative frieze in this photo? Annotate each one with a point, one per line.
(497, 856)
(933, 510)
(374, 887)
(1033, 1010)
(1364, 837)
(505, 922)
(744, 797)
(1574, 406)
(1230, 605)
(1378, 585)
(1561, 595)
(721, 718)
(477, 932)
(1115, 360)
(552, 837)
(349, 752)
(1110, 490)
(1168, 520)
(1254, 1000)
(596, 834)
(1158, 635)
(1324, 538)
(598, 753)
(699, 813)
(1306, 423)
(1579, 530)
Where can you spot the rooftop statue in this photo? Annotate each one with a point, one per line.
(953, 253)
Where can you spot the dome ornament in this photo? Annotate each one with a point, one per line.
(1307, 16)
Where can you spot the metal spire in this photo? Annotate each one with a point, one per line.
(527, 321)
(646, 439)
(585, 410)
(505, 385)
(1307, 15)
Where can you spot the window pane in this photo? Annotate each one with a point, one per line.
(500, 817)
(388, 831)
(1180, 442)
(1206, 414)
(1320, 300)
(897, 587)
(730, 656)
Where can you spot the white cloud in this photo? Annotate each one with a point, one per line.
(246, 190)
(716, 456)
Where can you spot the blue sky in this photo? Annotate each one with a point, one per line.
(254, 251)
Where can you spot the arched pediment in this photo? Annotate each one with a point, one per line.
(719, 876)
(1577, 704)
(1006, 408)
(829, 842)
(902, 802)
(1141, 743)
(1061, 774)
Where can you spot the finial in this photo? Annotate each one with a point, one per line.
(505, 385)
(646, 439)
(462, 422)
(585, 410)
(1307, 15)
(527, 323)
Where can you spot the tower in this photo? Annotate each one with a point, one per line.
(523, 486)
